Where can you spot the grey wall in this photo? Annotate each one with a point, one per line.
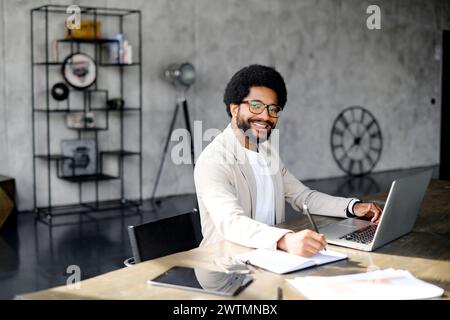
(329, 59)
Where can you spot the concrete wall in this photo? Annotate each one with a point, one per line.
(3, 132)
(329, 59)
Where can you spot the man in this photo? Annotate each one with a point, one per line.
(242, 184)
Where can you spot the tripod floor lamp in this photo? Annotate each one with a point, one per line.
(182, 76)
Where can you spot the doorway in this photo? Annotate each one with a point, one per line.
(444, 171)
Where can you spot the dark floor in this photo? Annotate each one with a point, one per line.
(35, 256)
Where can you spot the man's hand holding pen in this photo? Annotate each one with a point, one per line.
(303, 243)
(307, 242)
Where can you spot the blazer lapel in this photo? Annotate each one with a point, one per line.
(273, 161)
(236, 148)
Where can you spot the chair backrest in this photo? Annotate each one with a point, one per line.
(166, 236)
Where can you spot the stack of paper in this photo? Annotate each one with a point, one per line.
(388, 284)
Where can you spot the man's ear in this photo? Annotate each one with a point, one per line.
(234, 109)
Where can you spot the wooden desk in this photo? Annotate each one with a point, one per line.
(425, 252)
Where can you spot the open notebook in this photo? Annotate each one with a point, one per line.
(282, 262)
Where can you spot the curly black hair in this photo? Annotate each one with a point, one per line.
(251, 76)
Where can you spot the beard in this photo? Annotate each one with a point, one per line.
(255, 134)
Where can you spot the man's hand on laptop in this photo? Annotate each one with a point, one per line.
(303, 243)
(368, 210)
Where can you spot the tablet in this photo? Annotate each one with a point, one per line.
(202, 280)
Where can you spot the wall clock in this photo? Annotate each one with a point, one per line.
(79, 70)
(356, 141)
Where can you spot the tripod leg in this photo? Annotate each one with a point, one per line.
(188, 127)
(166, 146)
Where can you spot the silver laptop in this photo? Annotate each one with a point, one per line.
(399, 215)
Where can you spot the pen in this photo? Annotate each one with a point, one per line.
(279, 294)
(250, 266)
(305, 209)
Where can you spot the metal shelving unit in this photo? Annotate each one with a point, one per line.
(49, 158)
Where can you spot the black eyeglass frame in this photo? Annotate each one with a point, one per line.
(266, 106)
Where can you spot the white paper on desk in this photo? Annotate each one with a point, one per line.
(386, 284)
(282, 262)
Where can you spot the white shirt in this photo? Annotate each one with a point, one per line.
(265, 196)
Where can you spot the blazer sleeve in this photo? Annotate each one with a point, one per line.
(214, 184)
(318, 203)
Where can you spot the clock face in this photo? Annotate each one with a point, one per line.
(356, 141)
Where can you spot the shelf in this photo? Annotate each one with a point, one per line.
(43, 63)
(45, 214)
(52, 157)
(100, 41)
(92, 177)
(81, 110)
(120, 153)
(115, 110)
(58, 110)
(111, 121)
(47, 63)
(88, 129)
(99, 11)
(63, 209)
(112, 204)
(120, 64)
(80, 208)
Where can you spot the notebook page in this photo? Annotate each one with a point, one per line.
(275, 260)
(328, 256)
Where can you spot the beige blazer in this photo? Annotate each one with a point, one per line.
(226, 193)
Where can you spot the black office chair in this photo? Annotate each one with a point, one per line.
(163, 237)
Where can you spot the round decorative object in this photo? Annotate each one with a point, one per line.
(356, 141)
(60, 91)
(79, 70)
(115, 103)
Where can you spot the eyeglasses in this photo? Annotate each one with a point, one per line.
(257, 107)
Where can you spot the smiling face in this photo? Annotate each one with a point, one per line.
(258, 125)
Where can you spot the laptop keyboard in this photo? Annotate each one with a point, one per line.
(364, 235)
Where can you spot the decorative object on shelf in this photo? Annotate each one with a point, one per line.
(55, 51)
(83, 157)
(60, 91)
(79, 70)
(356, 141)
(118, 51)
(78, 120)
(127, 53)
(89, 29)
(116, 103)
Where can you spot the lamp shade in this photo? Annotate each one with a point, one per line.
(181, 74)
